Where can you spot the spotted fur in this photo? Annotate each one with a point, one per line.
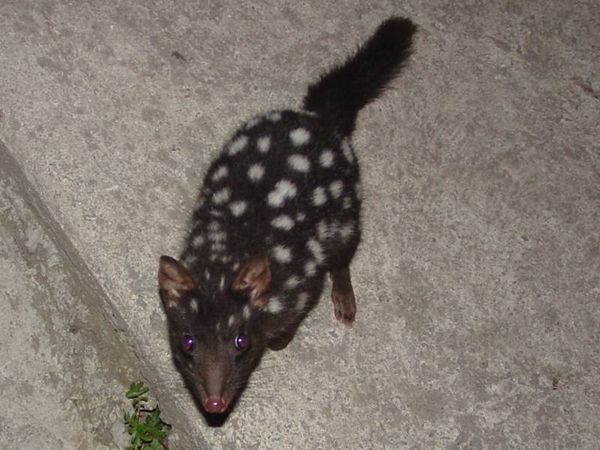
(279, 209)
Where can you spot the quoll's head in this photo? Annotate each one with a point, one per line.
(216, 343)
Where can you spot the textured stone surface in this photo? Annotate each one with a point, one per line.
(478, 280)
(66, 361)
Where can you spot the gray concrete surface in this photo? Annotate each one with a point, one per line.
(478, 280)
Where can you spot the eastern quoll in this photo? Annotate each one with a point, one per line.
(278, 210)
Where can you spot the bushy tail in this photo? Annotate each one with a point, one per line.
(341, 93)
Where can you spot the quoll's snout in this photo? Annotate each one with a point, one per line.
(215, 405)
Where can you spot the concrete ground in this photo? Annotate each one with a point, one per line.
(478, 280)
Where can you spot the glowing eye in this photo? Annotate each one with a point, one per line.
(241, 342)
(187, 342)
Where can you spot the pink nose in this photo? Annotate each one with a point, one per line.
(214, 405)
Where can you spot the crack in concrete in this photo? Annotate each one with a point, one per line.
(86, 288)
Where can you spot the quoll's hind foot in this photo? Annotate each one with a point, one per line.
(342, 295)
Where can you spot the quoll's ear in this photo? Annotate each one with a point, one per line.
(253, 279)
(174, 281)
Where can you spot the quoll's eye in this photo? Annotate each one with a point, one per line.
(187, 343)
(241, 342)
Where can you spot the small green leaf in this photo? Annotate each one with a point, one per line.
(153, 418)
(146, 429)
(155, 445)
(136, 390)
(147, 437)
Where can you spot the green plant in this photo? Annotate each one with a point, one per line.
(147, 431)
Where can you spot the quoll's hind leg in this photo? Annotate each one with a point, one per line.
(342, 295)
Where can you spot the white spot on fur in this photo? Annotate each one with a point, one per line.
(238, 208)
(222, 283)
(322, 230)
(347, 230)
(319, 196)
(214, 226)
(189, 260)
(299, 136)
(316, 250)
(336, 187)
(221, 196)
(206, 274)
(347, 150)
(282, 254)
(310, 268)
(326, 158)
(235, 266)
(284, 190)
(218, 248)
(326, 230)
(334, 228)
(302, 301)
(358, 190)
(347, 203)
(220, 173)
(300, 217)
(230, 321)
(253, 122)
(273, 116)
(198, 241)
(283, 222)
(263, 144)
(256, 172)
(274, 305)
(216, 213)
(292, 282)
(217, 236)
(194, 305)
(246, 312)
(238, 145)
(299, 163)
